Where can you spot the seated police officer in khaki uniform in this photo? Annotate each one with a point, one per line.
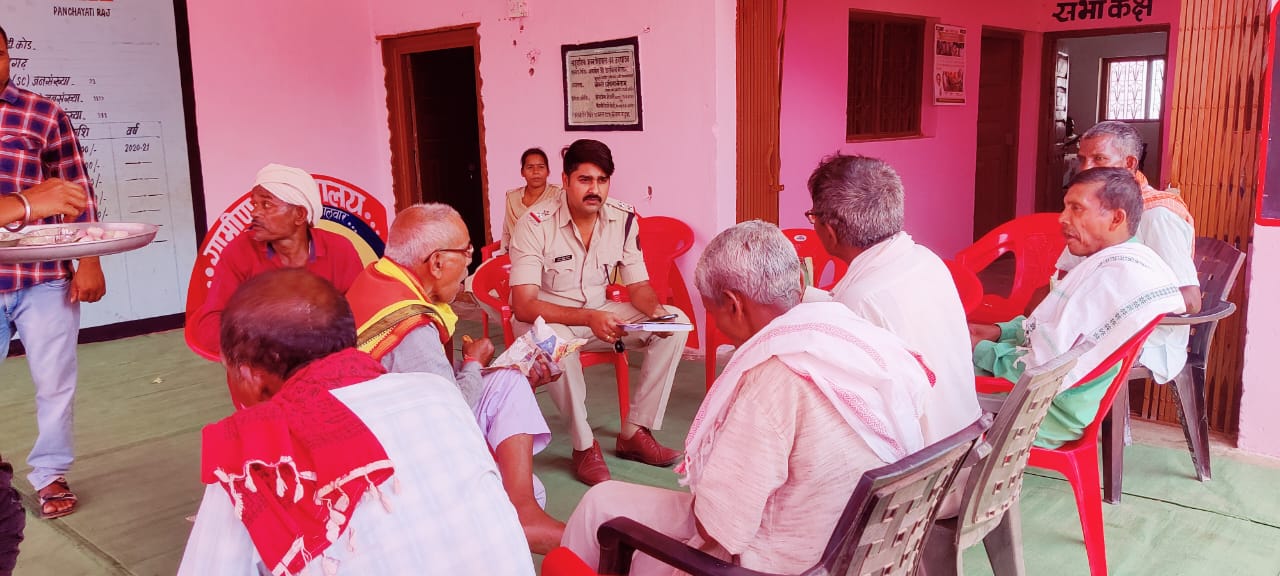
(563, 255)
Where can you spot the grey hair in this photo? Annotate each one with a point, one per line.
(1118, 191)
(860, 198)
(1126, 137)
(418, 231)
(753, 259)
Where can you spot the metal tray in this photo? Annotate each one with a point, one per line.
(139, 235)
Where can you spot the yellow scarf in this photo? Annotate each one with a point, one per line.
(388, 303)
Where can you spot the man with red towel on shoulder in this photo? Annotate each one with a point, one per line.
(336, 464)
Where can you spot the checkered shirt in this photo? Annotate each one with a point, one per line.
(37, 142)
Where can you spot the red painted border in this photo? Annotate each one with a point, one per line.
(1265, 134)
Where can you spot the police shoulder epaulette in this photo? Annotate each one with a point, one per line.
(540, 215)
(623, 206)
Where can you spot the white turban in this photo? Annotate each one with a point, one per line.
(293, 186)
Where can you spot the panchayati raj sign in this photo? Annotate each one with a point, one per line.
(602, 85)
(1103, 9)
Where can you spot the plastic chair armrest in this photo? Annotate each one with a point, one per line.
(1216, 312)
(621, 537)
(992, 385)
(507, 330)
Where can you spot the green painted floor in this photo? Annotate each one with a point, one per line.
(143, 400)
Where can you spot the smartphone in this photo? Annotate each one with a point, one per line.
(666, 318)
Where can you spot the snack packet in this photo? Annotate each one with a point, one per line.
(538, 341)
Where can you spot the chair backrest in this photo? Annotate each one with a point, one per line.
(996, 482)
(486, 251)
(882, 529)
(491, 284)
(663, 239)
(967, 285)
(1125, 356)
(1217, 264)
(1035, 241)
(809, 246)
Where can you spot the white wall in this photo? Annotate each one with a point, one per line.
(1084, 90)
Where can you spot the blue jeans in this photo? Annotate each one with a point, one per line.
(48, 325)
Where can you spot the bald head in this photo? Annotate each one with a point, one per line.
(422, 229)
(281, 320)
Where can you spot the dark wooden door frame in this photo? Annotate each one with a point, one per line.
(1021, 39)
(1048, 54)
(396, 50)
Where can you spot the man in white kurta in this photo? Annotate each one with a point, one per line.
(813, 397)
(1167, 228)
(893, 282)
(1118, 288)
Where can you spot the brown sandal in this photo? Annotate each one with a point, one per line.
(64, 494)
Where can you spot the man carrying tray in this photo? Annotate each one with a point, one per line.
(41, 167)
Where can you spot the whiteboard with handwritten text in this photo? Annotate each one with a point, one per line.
(112, 65)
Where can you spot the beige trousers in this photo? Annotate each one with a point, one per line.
(666, 511)
(648, 397)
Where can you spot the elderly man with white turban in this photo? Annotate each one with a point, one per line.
(286, 208)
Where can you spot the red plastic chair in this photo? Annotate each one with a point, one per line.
(1077, 460)
(486, 254)
(1036, 241)
(967, 285)
(491, 285)
(665, 239)
(807, 245)
(562, 561)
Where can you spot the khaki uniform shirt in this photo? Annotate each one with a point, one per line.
(547, 251)
(516, 209)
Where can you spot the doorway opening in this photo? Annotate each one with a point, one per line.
(1091, 77)
(995, 198)
(437, 125)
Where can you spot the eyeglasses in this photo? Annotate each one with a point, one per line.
(467, 252)
(812, 215)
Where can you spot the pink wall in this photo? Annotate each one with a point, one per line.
(938, 168)
(1259, 427)
(305, 87)
(685, 153)
(289, 84)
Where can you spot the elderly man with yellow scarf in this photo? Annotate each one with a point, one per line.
(403, 319)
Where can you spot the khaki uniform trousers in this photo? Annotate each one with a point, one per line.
(648, 398)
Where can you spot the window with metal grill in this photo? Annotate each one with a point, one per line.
(1132, 88)
(886, 67)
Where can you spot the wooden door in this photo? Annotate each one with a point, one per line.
(999, 92)
(447, 134)
(759, 76)
(436, 120)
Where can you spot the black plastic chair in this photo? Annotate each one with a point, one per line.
(881, 532)
(989, 499)
(1217, 264)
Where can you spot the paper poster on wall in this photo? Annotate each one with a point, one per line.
(602, 85)
(949, 57)
(113, 67)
